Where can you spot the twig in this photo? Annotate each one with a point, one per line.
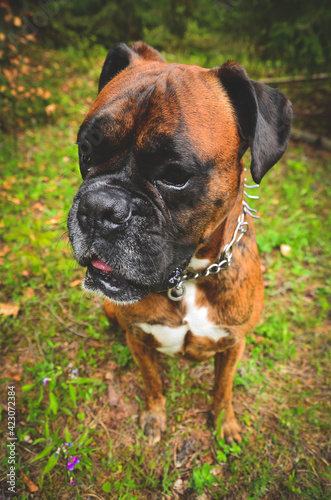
(315, 140)
(300, 78)
(27, 449)
(92, 495)
(41, 352)
(56, 316)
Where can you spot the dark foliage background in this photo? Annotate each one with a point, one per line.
(296, 33)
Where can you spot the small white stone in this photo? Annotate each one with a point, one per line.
(285, 250)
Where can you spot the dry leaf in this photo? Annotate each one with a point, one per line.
(75, 283)
(28, 293)
(30, 484)
(4, 250)
(8, 74)
(17, 22)
(50, 109)
(9, 309)
(38, 206)
(17, 201)
(54, 220)
(113, 397)
(6, 185)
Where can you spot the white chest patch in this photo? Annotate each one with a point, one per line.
(172, 339)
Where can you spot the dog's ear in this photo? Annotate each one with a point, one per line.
(264, 117)
(121, 56)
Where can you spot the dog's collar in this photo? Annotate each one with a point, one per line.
(177, 292)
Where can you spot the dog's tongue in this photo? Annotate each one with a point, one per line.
(100, 264)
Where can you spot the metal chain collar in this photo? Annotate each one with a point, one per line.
(177, 292)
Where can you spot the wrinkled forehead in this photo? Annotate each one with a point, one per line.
(163, 101)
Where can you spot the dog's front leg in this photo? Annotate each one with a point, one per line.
(153, 416)
(223, 414)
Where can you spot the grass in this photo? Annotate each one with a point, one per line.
(95, 391)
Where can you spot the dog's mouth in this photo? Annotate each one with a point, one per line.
(101, 277)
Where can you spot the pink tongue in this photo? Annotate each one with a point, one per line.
(100, 264)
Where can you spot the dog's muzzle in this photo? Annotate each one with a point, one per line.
(104, 210)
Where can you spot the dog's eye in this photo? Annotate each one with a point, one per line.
(175, 176)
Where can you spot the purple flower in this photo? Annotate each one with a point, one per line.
(72, 482)
(46, 380)
(74, 461)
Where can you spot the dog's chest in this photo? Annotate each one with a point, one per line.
(172, 339)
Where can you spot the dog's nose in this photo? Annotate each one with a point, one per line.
(105, 209)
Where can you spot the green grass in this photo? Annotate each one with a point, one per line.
(281, 384)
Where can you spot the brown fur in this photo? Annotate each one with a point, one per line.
(234, 297)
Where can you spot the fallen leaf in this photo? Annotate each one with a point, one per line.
(38, 206)
(9, 309)
(17, 22)
(14, 376)
(8, 74)
(4, 250)
(53, 220)
(50, 109)
(28, 293)
(285, 250)
(113, 397)
(30, 484)
(179, 486)
(75, 283)
(6, 185)
(17, 201)
(259, 339)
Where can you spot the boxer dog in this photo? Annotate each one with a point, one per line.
(159, 220)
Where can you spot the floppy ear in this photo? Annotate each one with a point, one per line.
(264, 117)
(121, 56)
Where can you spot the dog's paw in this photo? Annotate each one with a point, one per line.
(153, 423)
(227, 427)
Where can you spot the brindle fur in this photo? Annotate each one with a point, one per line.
(149, 112)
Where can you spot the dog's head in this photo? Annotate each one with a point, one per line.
(159, 153)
